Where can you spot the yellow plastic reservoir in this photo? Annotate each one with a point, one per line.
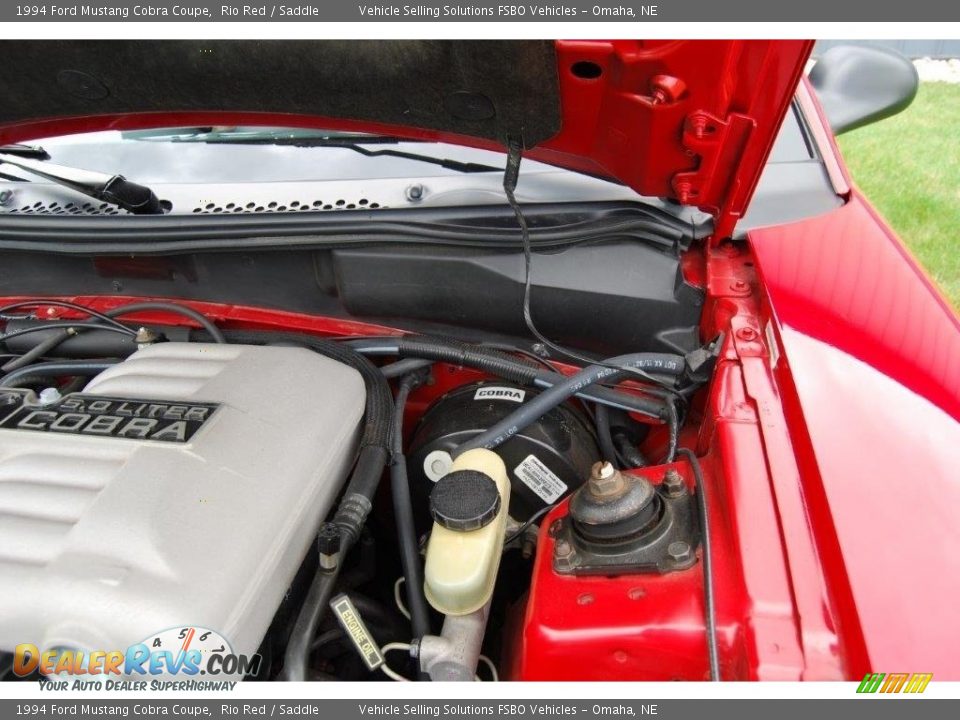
(461, 565)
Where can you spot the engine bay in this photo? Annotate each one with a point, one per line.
(350, 504)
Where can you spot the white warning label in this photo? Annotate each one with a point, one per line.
(539, 478)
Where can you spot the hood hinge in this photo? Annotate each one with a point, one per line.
(719, 144)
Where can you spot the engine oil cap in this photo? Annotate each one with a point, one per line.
(464, 500)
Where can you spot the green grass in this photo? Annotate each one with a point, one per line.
(909, 168)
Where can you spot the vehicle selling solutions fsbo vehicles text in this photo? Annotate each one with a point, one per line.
(506, 11)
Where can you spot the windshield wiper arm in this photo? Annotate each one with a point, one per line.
(351, 143)
(28, 151)
(114, 189)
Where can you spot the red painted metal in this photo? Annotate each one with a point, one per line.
(774, 616)
(638, 627)
(831, 442)
(693, 119)
(870, 383)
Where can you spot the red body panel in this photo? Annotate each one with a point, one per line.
(870, 377)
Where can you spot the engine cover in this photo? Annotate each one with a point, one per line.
(183, 487)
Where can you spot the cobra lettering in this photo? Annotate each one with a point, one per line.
(113, 417)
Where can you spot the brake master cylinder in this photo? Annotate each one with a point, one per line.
(469, 507)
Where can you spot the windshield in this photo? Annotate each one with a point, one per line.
(230, 169)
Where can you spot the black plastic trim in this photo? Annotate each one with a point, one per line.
(551, 225)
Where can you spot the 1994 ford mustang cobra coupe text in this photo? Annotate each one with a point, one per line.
(431, 360)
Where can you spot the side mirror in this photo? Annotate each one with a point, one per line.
(860, 85)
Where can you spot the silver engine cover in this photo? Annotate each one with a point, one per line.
(107, 538)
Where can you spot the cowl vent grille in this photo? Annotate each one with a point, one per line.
(70, 208)
(291, 206)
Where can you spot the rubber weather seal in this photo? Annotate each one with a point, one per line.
(489, 226)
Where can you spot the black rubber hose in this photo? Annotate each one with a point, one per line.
(28, 381)
(357, 500)
(206, 323)
(403, 367)
(673, 424)
(297, 654)
(530, 412)
(39, 350)
(91, 339)
(69, 306)
(52, 341)
(54, 369)
(710, 609)
(42, 327)
(403, 512)
(464, 354)
(378, 417)
(628, 451)
(502, 365)
(611, 398)
(604, 434)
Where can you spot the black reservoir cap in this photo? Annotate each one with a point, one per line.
(464, 500)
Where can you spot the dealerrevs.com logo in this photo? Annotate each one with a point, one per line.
(894, 682)
(185, 658)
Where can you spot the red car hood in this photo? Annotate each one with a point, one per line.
(688, 120)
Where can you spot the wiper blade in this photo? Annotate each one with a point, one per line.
(350, 143)
(27, 151)
(113, 189)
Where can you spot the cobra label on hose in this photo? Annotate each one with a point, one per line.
(541, 479)
(490, 392)
(353, 625)
(127, 418)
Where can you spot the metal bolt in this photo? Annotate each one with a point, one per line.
(729, 249)
(414, 192)
(739, 286)
(565, 556)
(48, 396)
(685, 191)
(679, 551)
(9, 398)
(606, 481)
(145, 336)
(6, 197)
(698, 125)
(673, 483)
(747, 333)
(529, 546)
(540, 350)
(666, 89)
